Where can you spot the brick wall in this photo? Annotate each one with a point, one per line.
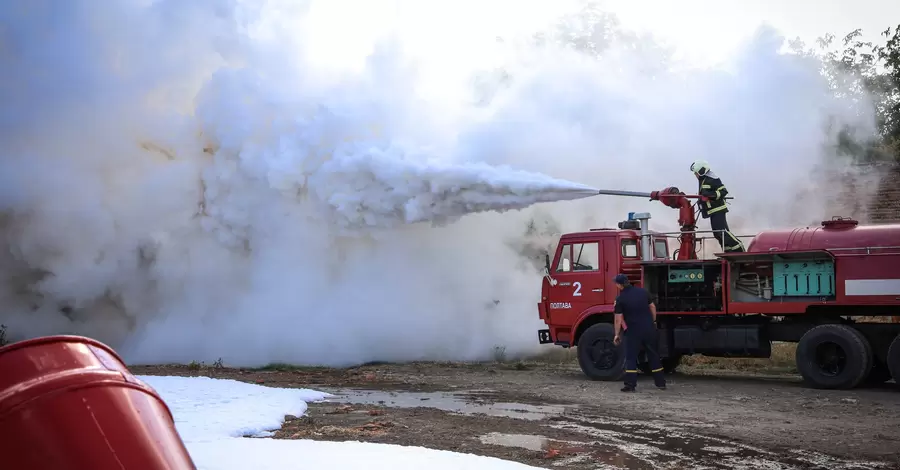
(869, 193)
(885, 206)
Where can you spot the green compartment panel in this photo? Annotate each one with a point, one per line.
(804, 278)
(686, 275)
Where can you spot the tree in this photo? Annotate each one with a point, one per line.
(889, 54)
(873, 71)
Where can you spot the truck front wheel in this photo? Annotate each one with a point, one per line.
(834, 357)
(598, 357)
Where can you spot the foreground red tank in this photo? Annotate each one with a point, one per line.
(68, 402)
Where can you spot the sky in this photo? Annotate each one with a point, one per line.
(687, 25)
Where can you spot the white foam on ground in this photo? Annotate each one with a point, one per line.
(206, 408)
(212, 414)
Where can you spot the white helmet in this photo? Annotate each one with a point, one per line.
(700, 167)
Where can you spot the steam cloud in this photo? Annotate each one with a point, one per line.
(192, 186)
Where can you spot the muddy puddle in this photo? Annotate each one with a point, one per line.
(469, 403)
(569, 436)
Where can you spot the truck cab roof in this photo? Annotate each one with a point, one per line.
(595, 233)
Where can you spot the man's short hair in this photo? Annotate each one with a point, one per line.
(621, 279)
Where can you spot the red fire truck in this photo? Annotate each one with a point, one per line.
(834, 289)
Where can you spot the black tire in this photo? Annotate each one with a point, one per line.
(598, 357)
(834, 357)
(671, 363)
(893, 359)
(879, 373)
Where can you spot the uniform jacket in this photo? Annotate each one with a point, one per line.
(634, 305)
(711, 186)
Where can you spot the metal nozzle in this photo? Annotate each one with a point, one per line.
(609, 192)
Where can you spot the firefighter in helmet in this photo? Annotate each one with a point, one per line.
(712, 206)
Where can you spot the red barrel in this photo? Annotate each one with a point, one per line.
(69, 403)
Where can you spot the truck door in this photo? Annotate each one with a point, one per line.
(580, 281)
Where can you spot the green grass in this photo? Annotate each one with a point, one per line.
(556, 355)
(781, 362)
(196, 366)
(285, 367)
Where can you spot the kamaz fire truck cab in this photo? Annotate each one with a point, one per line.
(579, 282)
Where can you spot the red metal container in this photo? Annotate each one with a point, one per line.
(70, 403)
(831, 235)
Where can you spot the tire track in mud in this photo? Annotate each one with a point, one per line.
(550, 417)
(577, 436)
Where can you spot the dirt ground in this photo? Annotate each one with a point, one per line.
(550, 416)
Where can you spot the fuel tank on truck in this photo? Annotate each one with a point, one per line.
(69, 402)
(832, 234)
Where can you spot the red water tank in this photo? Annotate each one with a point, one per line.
(69, 402)
(832, 234)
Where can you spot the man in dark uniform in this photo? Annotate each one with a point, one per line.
(712, 206)
(636, 308)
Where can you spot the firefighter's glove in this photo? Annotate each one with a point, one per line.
(704, 198)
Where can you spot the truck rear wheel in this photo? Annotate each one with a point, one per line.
(598, 357)
(670, 364)
(893, 359)
(879, 373)
(834, 357)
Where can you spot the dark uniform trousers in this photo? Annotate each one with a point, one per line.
(714, 209)
(634, 339)
(719, 223)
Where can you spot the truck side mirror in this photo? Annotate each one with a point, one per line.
(547, 262)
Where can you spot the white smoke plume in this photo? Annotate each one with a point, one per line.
(184, 181)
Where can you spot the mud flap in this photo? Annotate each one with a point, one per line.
(544, 337)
